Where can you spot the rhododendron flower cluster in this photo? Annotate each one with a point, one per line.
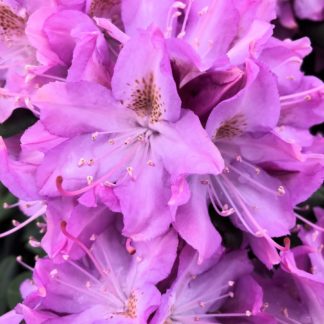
(156, 121)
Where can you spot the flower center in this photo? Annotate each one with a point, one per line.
(232, 127)
(98, 279)
(131, 152)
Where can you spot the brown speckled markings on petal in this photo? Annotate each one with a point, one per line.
(232, 127)
(111, 8)
(146, 98)
(10, 23)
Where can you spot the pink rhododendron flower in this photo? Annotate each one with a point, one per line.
(127, 144)
(109, 283)
(170, 151)
(199, 292)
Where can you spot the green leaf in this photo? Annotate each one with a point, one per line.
(8, 267)
(13, 293)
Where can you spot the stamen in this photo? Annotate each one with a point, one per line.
(25, 265)
(185, 20)
(129, 248)
(91, 293)
(300, 97)
(226, 210)
(9, 206)
(109, 184)
(112, 30)
(81, 162)
(287, 243)
(242, 161)
(42, 291)
(304, 94)
(53, 273)
(234, 205)
(32, 242)
(93, 237)
(42, 227)
(306, 221)
(23, 224)
(216, 315)
(281, 190)
(94, 136)
(173, 13)
(15, 222)
(104, 256)
(202, 301)
(205, 14)
(83, 247)
(259, 231)
(286, 315)
(150, 163)
(203, 11)
(130, 171)
(90, 182)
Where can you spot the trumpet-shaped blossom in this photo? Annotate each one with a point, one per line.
(110, 283)
(69, 43)
(301, 97)
(130, 140)
(15, 53)
(244, 189)
(171, 148)
(199, 292)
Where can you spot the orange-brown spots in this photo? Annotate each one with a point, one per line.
(146, 99)
(232, 127)
(99, 6)
(10, 23)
